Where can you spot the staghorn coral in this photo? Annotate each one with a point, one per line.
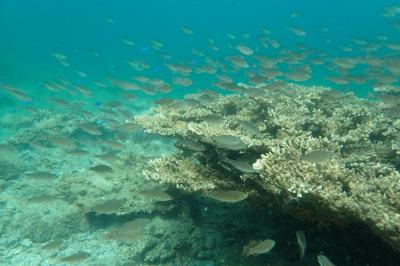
(185, 174)
(363, 192)
(359, 183)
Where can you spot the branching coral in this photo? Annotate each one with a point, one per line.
(360, 182)
(185, 174)
(366, 192)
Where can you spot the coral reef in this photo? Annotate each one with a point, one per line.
(184, 174)
(89, 189)
(79, 180)
(274, 129)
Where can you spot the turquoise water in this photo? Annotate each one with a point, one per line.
(32, 30)
(64, 64)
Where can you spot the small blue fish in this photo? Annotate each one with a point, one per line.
(101, 122)
(156, 69)
(144, 49)
(24, 103)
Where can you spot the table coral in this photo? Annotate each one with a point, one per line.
(360, 182)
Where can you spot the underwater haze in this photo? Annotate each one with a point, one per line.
(204, 133)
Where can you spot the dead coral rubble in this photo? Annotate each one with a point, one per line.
(273, 130)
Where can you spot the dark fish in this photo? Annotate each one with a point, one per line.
(77, 152)
(324, 261)
(301, 240)
(191, 145)
(109, 207)
(241, 165)
(258, 248)
(227, 142)
(129, 127)
(132, 230)
(101, 168)
(231, 196)
(42, 199)
(164, 101)
(107, 157)
(41, 175)
(91, 129)
(156, 195)
(213, 119)
(393, 112)
(249, 127)
(6, 148)
(76, 257)
(52, 244)
(317, 156)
